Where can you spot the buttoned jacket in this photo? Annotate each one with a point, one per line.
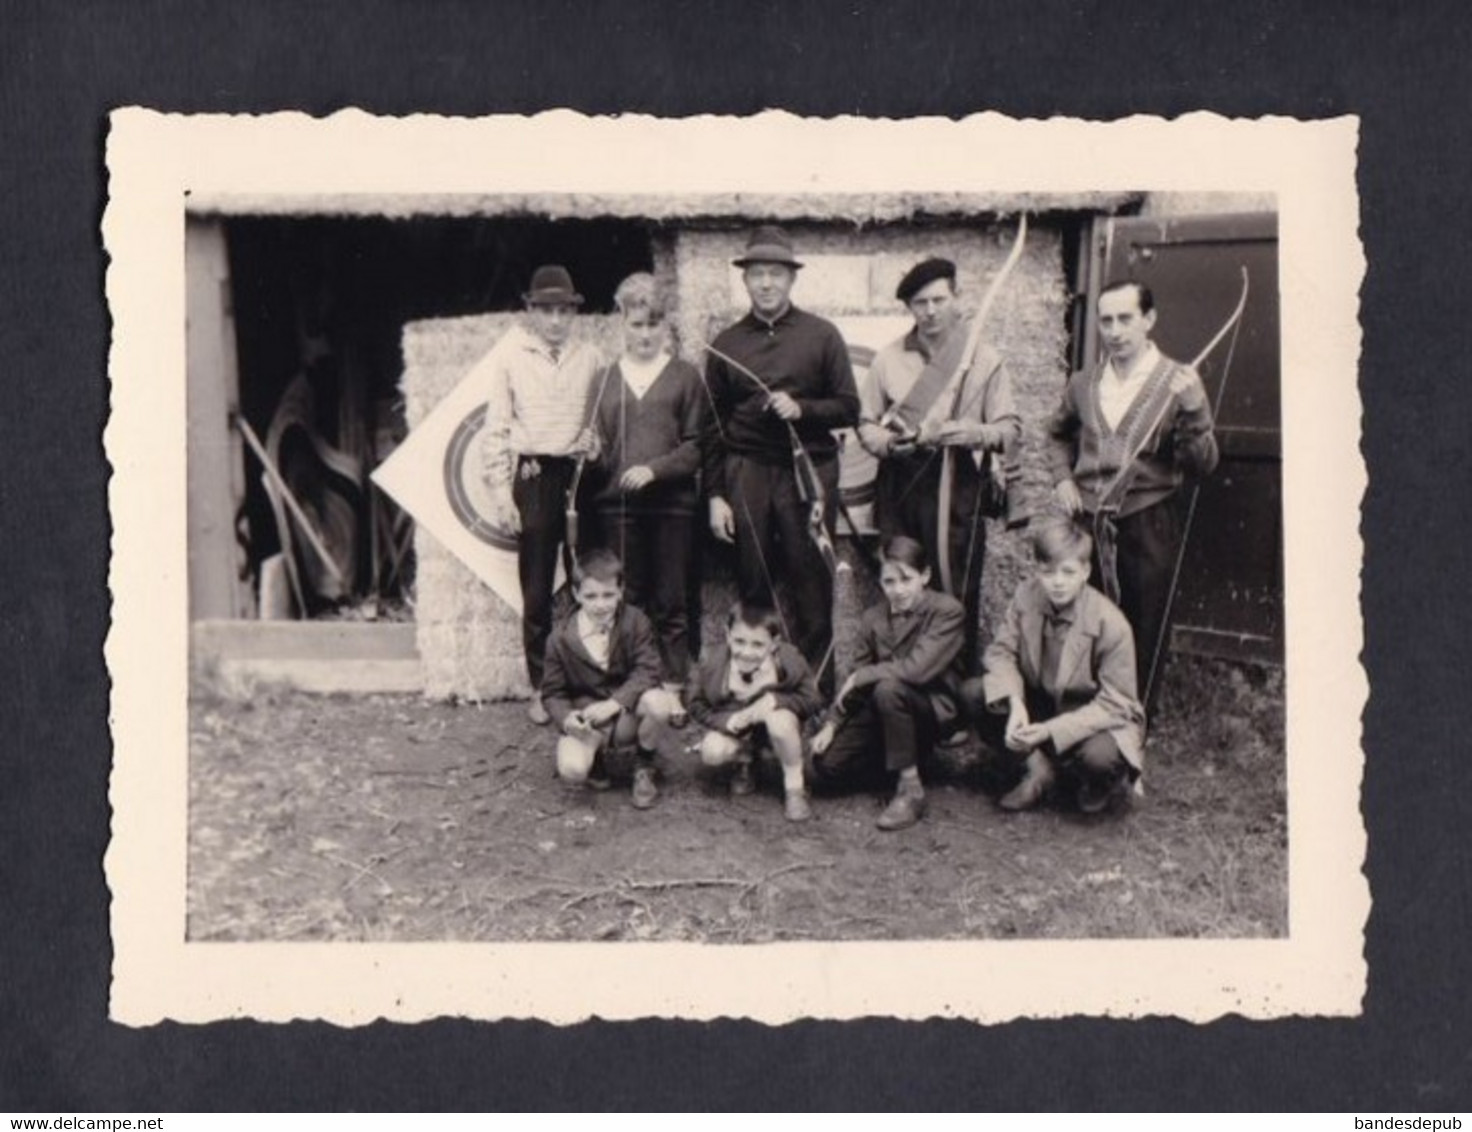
(572, 674)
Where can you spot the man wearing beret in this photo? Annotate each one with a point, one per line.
(914, 410)
(750, 474)
(541, 382)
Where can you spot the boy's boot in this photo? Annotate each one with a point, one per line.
(743, 778)
(646, 792)
(1035, 782)
(795, 805)
(1097, 792)
(906, 807)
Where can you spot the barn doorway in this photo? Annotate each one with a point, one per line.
(318, 305)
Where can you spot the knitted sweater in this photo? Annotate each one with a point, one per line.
(799, 354)
(660, 430)
(1169, 424)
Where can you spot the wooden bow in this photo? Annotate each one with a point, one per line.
(809, 486)
(570, 504)
(950, 397)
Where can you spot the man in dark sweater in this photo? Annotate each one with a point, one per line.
(806, 385)
(1121, 444)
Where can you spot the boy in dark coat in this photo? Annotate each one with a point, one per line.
(755, 689)
(602, 664)
(1059, 682)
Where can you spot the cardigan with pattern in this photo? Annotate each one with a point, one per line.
(1173, 435)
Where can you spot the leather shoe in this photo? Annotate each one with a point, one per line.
(536, 712)
(904, 810)
(1097, 794)
(743, 781)
(796, 807)
(1026, 794)
(645, 791)
(598, 775)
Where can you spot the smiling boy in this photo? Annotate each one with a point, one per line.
(755, 690)
(1058, 688)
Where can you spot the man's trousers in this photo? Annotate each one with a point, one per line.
(775, 549)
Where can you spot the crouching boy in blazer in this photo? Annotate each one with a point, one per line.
(601, 667)
(1058, 686)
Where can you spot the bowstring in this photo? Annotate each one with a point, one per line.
(766, 570)
(623, 496)
(715, 413)
(1175, 577)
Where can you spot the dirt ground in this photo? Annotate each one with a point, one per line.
(390, 818)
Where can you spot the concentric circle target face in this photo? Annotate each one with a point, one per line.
(465, 485)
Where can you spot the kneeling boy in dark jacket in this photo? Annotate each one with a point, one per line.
(756, 688)
(602, 664)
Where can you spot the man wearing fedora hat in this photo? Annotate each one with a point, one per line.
(536, 429)
(803, 379)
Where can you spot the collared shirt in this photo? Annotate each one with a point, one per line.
(1118, 392)
(893, 373)
(898, 366)
(596, 639)
(1056, 624)
(537, 405)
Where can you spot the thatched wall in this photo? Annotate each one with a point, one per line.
(470, 641)
(851, 208)
(1194, 204)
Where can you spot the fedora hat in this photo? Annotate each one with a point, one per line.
(768, 244)
(551, 284)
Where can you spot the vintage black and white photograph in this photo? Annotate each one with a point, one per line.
(828, 571)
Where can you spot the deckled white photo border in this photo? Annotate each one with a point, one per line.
(154, 159)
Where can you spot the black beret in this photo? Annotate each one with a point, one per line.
(925, 272)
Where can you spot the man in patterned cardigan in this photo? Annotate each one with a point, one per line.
(1121, 444)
